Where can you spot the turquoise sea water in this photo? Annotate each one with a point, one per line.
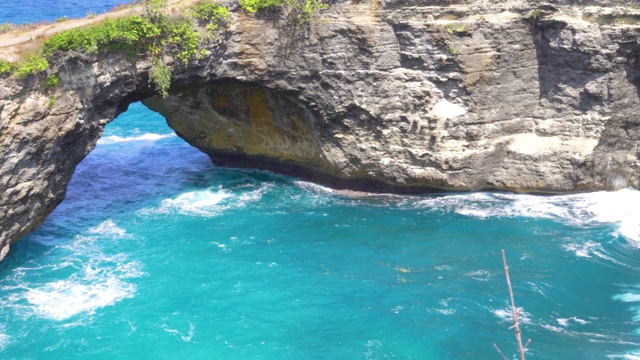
(158, 254)
(28, 11)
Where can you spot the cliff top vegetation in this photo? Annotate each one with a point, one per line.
(150, 32)
(153, 29)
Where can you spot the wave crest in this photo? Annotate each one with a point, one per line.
(114, 139)
(208, 203)
(595, 208)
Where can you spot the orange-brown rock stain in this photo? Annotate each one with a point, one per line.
(256, 122)
(220, 101)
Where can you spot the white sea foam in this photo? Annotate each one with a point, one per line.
(4, 338)
(222, 247)
(553, 328)
(507, 315)
(443, 267)
(480, 275)
(565, 321)
(539, 288)
(629, 355)
(631, 295)
(311, 186)
(586, 249)
(201, 202)
(253, 196)
(108, 228)
(613, 207)
(113, 139)
(489, 205)
(100, 282)
(446, 311)
(90, 279)
(627, 297)
(208, 203)
(635, 356)
(63, 299)
(185, 337)
(619, 208)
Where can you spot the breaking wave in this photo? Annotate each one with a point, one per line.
(95, 279)
(208, 202)
(618, 208)
(114, 139)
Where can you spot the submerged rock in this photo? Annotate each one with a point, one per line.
(394, 96)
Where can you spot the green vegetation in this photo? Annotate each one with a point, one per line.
(154, 10)
(52, 101)
(210, 12)
(253, 6)
(33, 64)
(129, 33)
(453, 29)
(160, 75)
(305, 9)
(454, 51)
(5, 67)
(53, 81)
(299, 11)
(153, 34)
(296, 15)
(213, 14)
(62, 19)
(536, 14)
(6, 27)
(185, 37)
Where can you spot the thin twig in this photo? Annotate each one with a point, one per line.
(514, 309)
(499, 352)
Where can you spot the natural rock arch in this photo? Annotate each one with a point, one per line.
(377, 98)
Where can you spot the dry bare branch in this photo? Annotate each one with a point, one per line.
(515, 311)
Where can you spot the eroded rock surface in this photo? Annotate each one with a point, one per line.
(405, 96)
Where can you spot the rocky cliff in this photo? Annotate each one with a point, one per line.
(404, 96)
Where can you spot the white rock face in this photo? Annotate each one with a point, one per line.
(444, 110)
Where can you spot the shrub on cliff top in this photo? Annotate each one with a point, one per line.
(186, 38)
(213, 14)
(6, 27)
(154, 34)
(128, 33)
(160, 75)
(33, 64)
(253, 6)
(53, 81)
(210, 11)
(301, 11)
(5, 67)
(133, 34)
(297, 12)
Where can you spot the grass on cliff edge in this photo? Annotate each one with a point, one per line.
(302, 10)
(150, 34)
(5, 67)
(153, 34)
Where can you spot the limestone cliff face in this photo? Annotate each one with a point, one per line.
(399, 96)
